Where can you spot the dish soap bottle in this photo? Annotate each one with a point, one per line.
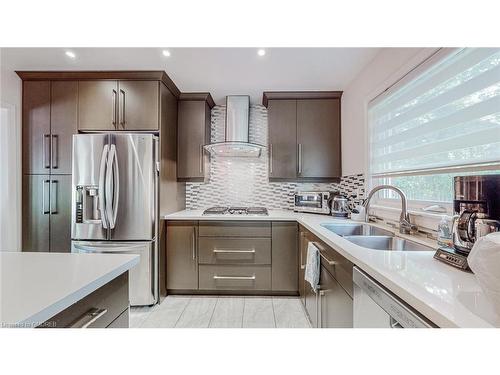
(444, 233)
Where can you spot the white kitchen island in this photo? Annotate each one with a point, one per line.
(37, 286)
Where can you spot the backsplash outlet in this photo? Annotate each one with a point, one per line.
(245, 181)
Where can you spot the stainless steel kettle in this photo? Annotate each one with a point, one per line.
(340, 206)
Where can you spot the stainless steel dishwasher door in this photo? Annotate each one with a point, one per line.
(377, 307)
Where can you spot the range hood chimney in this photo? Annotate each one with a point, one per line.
(236, 142)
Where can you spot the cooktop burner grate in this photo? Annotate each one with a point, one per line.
(236, 211)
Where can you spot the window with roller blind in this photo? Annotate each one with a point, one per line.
(439, 121)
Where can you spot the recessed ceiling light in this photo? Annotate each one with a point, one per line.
(70, 54)
(261, 52)
(166, 53)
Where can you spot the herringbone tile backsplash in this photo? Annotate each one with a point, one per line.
(245, 181)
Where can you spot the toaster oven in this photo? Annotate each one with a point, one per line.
(312, 201)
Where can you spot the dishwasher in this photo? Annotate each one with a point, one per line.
(376, 307)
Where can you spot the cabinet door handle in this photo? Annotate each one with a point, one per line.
(91, 316)
(193, 244)
(54, 187)
(113, 108)
(299, 151)
(45, 196)
(217, 277)
(270, 158)
(46, 150)
(227, 251)
(54, 151)
(122, 108)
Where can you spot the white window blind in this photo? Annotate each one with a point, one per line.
(445, 114)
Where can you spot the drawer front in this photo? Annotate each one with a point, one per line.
(235, 228)
(235, 277)
(122, 321)
(224, 250)
(341, 271)
(113, 298)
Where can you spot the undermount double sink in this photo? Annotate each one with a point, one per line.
(374, 238)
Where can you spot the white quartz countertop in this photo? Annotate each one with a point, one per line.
(37, 286)
(274, 215)
(447, 296)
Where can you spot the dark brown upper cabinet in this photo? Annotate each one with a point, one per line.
(63, 124)
(318, 138)
(49, 122)
(118, 105)
(282, 117)
(36, 127)
(304, 135)
(97, 105)
(193, 132)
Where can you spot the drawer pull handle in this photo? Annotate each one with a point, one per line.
(329, 261)
(88, 318)
(234, 251)
(216, 277)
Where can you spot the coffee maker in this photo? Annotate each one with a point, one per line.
(476, 209)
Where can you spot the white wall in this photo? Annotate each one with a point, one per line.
(10, 160)
(387, 67)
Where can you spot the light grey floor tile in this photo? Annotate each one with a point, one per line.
(167, 313)
(228, 313)
(258, 313)
(289, 313)
(138, 315)
(198, 313)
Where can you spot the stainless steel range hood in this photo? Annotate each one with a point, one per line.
(236, 130)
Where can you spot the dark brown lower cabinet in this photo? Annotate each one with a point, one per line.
(331, 306)
(232, 257)
(107, 307)
(182, 255)
(284, 256)
(334, 303)
(47, 213)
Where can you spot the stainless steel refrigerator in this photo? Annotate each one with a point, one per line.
(115, 203)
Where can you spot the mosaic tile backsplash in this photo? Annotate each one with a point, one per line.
(245, 182)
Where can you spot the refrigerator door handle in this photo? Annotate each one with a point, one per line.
(112, 188)
(116, 186)
(101, 187)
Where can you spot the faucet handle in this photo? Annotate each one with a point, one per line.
(405, 227)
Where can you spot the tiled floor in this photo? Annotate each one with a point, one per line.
(221, 312)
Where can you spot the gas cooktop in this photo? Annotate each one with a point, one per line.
(262, 211)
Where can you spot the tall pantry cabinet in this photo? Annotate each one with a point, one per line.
(49, 122)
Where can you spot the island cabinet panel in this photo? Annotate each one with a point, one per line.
(100, 309)
(284, 256)
(182, 255)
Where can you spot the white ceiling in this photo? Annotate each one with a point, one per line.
(221, 71)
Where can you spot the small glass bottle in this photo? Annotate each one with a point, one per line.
(444, 232)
